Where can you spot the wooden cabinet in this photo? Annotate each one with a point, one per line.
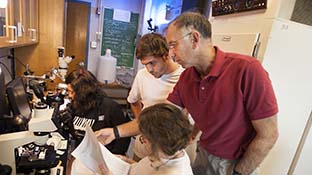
(20, 28)
(4, 31)
(31, 20)
(15, 21)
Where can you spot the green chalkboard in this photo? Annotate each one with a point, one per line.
(119, 36)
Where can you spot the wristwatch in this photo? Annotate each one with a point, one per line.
(116, 132)
(236, 173)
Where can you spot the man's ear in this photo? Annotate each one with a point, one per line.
(195, 36)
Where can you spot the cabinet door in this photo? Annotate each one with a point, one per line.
(31, 20)
(16, 21)
(4, 31)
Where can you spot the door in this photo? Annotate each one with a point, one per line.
(77, 29)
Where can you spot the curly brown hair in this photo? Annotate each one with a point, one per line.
(165, 127)
(87, 90)
(152, 44)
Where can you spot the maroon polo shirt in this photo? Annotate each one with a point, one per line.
(236, 91)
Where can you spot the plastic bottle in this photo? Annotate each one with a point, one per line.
(106, 68)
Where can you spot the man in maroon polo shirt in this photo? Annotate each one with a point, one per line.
(229, 96)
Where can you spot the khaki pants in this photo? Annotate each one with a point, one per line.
(207, 164)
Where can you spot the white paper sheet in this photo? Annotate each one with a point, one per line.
(89, 152)
(121, 15)
(114, 163)
(92, 154)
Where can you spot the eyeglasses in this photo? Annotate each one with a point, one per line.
(172, 44)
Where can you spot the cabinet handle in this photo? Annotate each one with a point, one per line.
(32, 34)
(12, 30)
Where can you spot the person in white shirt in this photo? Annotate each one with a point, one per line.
(166, 130)
(151, 85)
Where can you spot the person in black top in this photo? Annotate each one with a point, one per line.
(91, 107)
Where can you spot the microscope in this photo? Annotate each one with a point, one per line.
(59, 72)
(39, 130)
(63, 62)
(10, 141)
(25, 146)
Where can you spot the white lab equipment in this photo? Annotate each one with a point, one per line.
(63, 62)
(10, 141)
(106, 69)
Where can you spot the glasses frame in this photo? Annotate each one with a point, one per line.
(173, 43)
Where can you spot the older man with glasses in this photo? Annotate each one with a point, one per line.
(229, 96)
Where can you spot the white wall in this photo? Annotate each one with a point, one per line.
(286, 9)
(259, 21)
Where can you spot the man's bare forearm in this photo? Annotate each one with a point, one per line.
(254, 155)
(259, 148)
(129, 129)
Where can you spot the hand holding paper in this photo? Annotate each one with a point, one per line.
(98, 158)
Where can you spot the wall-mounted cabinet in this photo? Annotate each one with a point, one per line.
(18, 23)
(4, 31)
(31, 20)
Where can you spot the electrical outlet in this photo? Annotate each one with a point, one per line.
(98, 11)
(98, 36)
(93, 44)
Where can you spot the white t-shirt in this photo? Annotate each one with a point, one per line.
(151, 90)
(178, 166)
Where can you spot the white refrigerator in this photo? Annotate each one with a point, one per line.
(288, 60)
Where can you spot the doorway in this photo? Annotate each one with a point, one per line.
(77, 31)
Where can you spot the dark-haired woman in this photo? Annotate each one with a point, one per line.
(91, 107)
